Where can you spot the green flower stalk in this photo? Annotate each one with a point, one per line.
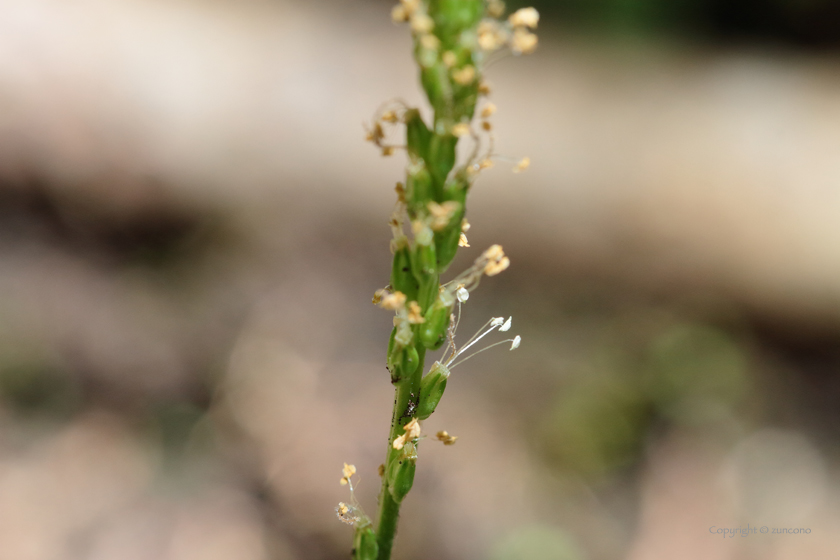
(453, 40)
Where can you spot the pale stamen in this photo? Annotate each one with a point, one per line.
(511, 340)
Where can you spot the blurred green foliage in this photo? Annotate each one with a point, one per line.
(536, 542)
(688, 374)
(811, 23)
(33, 384)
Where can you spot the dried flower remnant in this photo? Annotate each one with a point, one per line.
(414, 314)
(392, 301)
(347, 513)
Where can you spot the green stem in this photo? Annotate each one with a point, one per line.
(406, 398)
(389, 514)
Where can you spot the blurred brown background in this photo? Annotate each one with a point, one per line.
(191, 229)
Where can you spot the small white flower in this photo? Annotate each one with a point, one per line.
(496, 321)
(506, 326)
(515, 344)
(462, 294)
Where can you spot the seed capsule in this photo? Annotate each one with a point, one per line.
(401, 475)
(432, 387)
(402, 279)
(442, 156)
(365, 546)
(433, 331)
(419, 188)
(417, 134)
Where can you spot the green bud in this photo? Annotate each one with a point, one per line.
(409, 360)
(403, 361)
(424, 267)
(446, 240)
(453, 16)
(419, 188)
(392, 342)
(401, 474)
(441, 157)
(417, 134)
(456, 187)
(432, 387)
(425, 259)
(436, 84)
(365, 546)
(446, 243)
(433, 331)
(402, 279)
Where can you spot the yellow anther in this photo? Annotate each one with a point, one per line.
(429, 41)
(495, 8)
(464, 76)
(447, 439)
(523, 41)
(461, 129)
(525, 17)
(421, 23)
(522, 165)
